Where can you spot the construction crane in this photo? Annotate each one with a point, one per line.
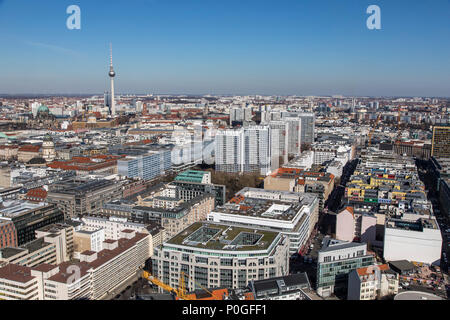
(180, 293)
(373, 129)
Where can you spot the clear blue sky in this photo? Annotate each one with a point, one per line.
(304, 47)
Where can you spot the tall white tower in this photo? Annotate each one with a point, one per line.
(112, 74)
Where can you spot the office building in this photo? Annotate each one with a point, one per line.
(336, 260)
(195, 176)
(298, 180)
(28, 217)
(145, 163)
(112, 226)
(54, 244)
(78, 197)
(8, 234)
(417, 240)
(440, 147)
(94, 277)
(190, 190)
(171, 212)
(440, 175)
(291, 213)
(216, 255)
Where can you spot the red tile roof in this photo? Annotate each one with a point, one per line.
(30, 148)
(371, 269)
(39, 193)
(8, 147)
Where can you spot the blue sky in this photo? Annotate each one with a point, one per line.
(303, 47)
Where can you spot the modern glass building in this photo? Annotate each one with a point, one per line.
(147, 166)
(336, 260)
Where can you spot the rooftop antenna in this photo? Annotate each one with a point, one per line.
(110, 50)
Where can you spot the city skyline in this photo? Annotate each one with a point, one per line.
(256, 48)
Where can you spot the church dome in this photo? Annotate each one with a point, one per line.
(43, 109)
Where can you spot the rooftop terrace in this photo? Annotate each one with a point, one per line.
(266, 208)
(222, 237)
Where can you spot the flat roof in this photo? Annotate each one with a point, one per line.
(331, 244)
(212, 236)
(252, 206)
(416, 295)
(17, 273)
(9, 252)
(45, 267)
(20, 207)
(299, 279)
(35, 245)
(402, 265)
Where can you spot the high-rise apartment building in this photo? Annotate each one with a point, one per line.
(279, 142)
(244, 150)
(307, 124)
(257, 149)
(229, 150)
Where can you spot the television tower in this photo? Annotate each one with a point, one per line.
(112, 74)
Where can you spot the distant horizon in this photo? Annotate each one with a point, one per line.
(333, 96)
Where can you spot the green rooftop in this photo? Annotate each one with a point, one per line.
(191, 176)
(213, 236)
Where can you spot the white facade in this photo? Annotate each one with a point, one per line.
(229, 150)
(419, 246)
(335, 168)
(298, 228)
(372, 282)
(112, 227)
(100, 273)
(279, 143)
(304, 161)
(257, 149)
(96, 237)
(244, 150)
